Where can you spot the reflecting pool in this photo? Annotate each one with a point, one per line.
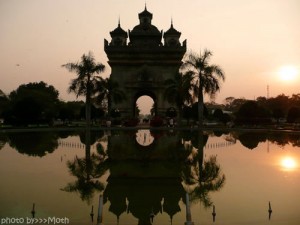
(150, 177)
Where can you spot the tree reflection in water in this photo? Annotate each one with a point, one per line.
(251, 139)
(201, 176)
(33, 143)
(87, 170)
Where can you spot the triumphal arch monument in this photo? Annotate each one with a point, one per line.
(141, 60)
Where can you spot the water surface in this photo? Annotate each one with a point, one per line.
(144, 175)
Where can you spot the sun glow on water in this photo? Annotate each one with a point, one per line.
(288, 163)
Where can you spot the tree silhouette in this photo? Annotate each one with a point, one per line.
(252, 113)
(33, 143)
(3, 102)
(32, 103)
(108, 90)
(178, 91)
(205, 77)
(86, 82)
(293, 114)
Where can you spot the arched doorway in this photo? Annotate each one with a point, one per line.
(144, 104)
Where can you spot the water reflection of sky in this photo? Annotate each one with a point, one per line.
(289, 163)
(144, 137)
(257, 176)
(254, 177)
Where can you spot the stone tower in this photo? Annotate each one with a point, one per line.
(141, 64)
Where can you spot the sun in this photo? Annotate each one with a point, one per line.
(288, 73)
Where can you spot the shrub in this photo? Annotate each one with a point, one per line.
(156, 121)
(131, 122)
(252, 113)
(293, 114)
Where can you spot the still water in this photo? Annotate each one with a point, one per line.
(143, 176)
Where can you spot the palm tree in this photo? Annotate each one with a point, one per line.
(178, 91)
(205, 77)
(86, 82)
(109, 90)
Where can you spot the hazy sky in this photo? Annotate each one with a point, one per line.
(250, 39)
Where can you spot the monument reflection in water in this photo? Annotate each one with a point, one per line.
(144, 176)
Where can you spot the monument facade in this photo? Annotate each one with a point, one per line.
(140, 63)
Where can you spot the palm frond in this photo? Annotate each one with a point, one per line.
(87, 82)
(205, 77)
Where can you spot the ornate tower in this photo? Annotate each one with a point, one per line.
(142, 65)
(171, 37)
(119, 36)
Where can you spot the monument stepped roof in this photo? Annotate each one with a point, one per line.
(145, 13)
(145, 34)
(146, 29)
(118, 31)
(172, 31)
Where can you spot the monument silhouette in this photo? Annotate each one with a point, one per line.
(141, 64)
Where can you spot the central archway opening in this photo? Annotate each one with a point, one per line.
(145, 106)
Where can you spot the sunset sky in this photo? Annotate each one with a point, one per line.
(256, 42)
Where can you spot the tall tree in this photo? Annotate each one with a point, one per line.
(86, 82)
(178, 91)
(205, 77)
(278, 106)
(32, 103)
(108, 90)
(293, 114)
(252, 113)
(3, 102)
(295, 100)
